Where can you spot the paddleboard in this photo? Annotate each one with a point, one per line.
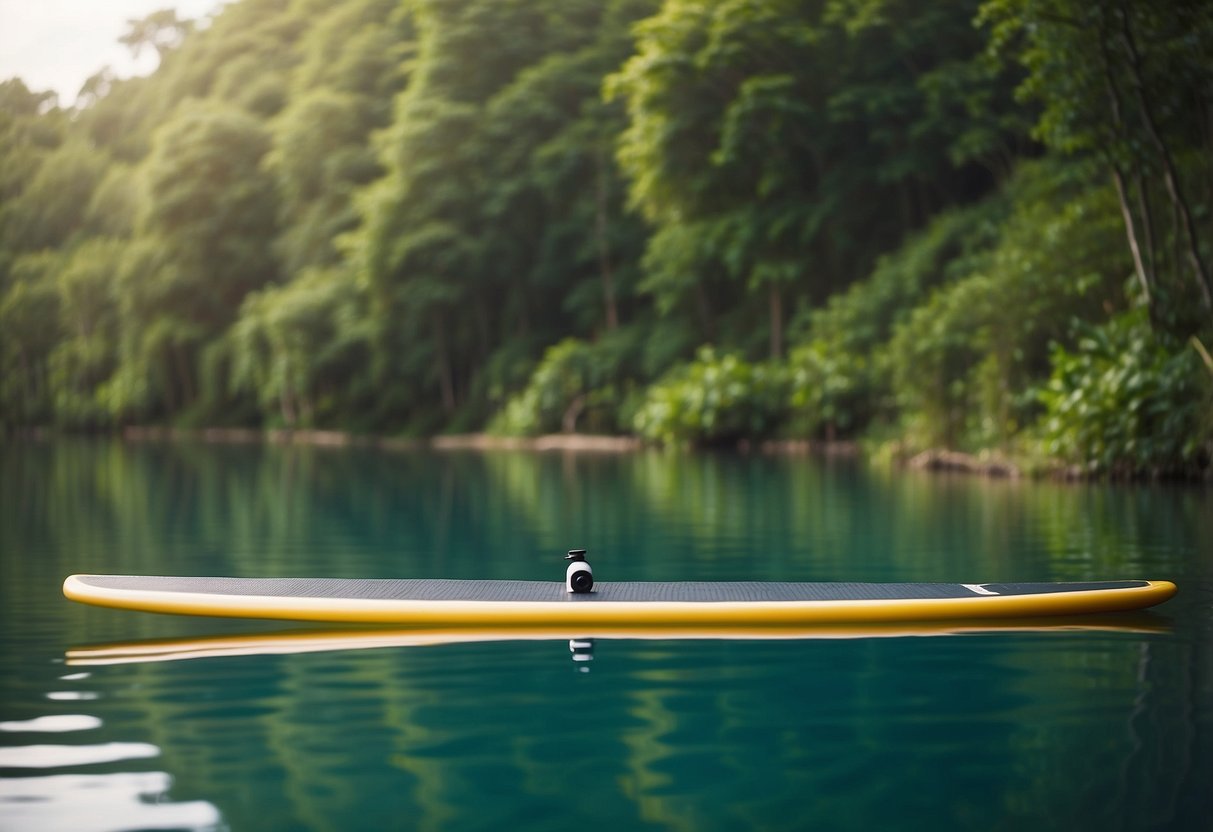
(496, 603)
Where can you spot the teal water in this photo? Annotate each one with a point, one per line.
(1109, 726)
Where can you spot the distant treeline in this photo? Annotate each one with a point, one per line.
(964, 224)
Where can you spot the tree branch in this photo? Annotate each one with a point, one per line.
(1199, 271)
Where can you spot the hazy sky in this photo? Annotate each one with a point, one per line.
(58, 44)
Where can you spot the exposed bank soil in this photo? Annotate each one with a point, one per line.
(330, 438)
(990, 465)
(578, 442)
(551, 442)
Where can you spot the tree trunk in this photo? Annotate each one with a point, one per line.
(1147, 222)
(1144, 277)
(568, 422)
(1204, 353)
(1170, 179)
(1131, 232)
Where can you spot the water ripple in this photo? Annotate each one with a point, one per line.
(100, 803)
(52, 724)
(64, 756)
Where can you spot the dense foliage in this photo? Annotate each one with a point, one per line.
(714, 399)
(973, 224)
(1125, 402)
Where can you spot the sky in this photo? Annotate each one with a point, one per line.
(58, 44)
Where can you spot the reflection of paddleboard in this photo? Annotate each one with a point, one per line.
(316, 641)
(489, 603)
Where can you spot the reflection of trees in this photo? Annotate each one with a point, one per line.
(1109, 736)
(279, 510)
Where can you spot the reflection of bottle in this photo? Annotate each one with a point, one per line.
(583, 652)
(578, 577)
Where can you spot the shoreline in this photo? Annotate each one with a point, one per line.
(574, 442)
(990, 464)
(565, 442)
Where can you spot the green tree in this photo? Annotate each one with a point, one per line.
(162, 30)
(352, 63)
(438, 269)
(29, 312)
(321, 156)
(300, 349)
(1128, 83)
(715, 399)
(53, 205)
(200, 248)
(577, 384)
(777, 147)
(967, 362)
(31, 128)
(86, 355)
(556, 203)
(1125, 402)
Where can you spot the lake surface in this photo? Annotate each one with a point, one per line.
(238, 725)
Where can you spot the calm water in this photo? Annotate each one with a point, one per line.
(249, 727)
